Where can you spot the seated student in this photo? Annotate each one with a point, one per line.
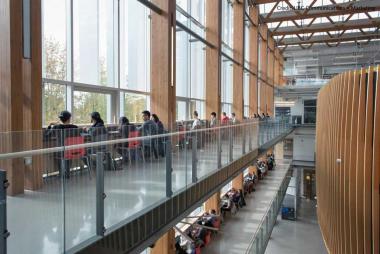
(97, 132)
(125, 127)
(160, 130)
(61, 131)
(227, 204)
(148, 128)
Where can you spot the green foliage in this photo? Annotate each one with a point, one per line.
(54, 96)
(85, 103)
(134, 105)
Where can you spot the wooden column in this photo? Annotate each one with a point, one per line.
(263, 31)
(213, 203)
(276, 67)
(163, 93)
(20, 92)
(270, 94)
(213, 19)
(237, 182)
(281, 74)
(253, 60)
(165, 245)
(238, 44)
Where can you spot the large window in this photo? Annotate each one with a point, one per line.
(134, 46)
(310, 111)
(94, 41)
(134, 104)
(246, 93)
(190, 75)
(54, 101)
(91, 47)
(227, 86)
(227, 27)
(55, 61)
(87, 102)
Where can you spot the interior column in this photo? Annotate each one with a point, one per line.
(238, 55)
(166, 244)
(213, 20)
(253, 60)
(263, 31)
(21, 92)
(163, 93)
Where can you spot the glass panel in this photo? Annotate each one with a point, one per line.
(134, 104)
(54, 101)
(134, 46)
(197, 59)
(54, 40)
(182, 64)
(85, 103)
(227, 82)
(86, 41)
(246, 88)
(227, 23)
(181, 110)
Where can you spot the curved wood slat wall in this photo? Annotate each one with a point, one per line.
(348, 162)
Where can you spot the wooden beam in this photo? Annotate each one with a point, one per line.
(238, 55)
(213, 19)
(329, 39)
(324, 27)
(253, 59)
(163, 92)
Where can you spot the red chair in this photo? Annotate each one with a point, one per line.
(216, 223)
(77, 153)
(135, 144)
(207, 238)
(198, 250)
(181, 136)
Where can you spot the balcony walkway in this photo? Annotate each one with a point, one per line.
(238, 230)
(62, 215)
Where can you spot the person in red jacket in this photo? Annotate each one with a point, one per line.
(225, 118)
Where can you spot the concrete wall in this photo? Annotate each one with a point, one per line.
(304, 144)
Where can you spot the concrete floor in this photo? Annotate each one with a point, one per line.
(298, 237)
(238, 230)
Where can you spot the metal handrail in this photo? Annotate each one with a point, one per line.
(264, 217)
(35, 152)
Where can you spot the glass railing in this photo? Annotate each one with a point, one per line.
(261, 237)
(69, 187)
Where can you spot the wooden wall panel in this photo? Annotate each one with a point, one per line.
(20, 92)
(376, 170)
(347, 164)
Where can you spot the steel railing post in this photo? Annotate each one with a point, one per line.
(219, 147)
(194, 144)
(169, 168)
(3, 211)
(100, 195)
(230, 142)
